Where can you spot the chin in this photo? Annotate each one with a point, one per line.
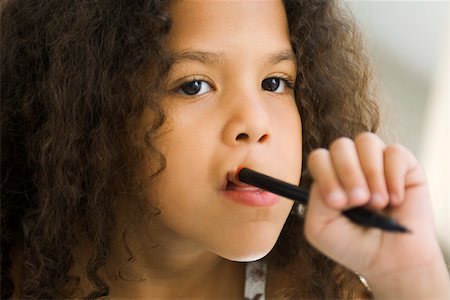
(248, 249)
(249, 256)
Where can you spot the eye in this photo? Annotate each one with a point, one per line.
(193, 88)
(275, 84)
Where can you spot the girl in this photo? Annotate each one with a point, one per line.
(123, 124)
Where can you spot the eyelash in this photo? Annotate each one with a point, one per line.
(178, 88)
(289, 84)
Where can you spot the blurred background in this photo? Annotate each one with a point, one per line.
(408, 42)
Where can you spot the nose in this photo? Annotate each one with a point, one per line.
(248, 120)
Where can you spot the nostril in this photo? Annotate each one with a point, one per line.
(245, 136)
(263, 138)
(242, 136)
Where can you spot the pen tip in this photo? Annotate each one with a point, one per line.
(402, 229)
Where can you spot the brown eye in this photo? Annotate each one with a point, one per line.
(274, 84)
(194, 87)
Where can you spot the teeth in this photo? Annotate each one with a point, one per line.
(232, 177)
(246, 187)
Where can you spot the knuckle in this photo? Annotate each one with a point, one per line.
(317, 154)
(349, 172)
(373, 172)
(353, 178)
(396, 149)
(340, 142)
(366, 137)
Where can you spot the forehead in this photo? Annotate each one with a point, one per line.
(228, 24)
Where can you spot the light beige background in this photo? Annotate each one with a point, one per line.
(408, 42)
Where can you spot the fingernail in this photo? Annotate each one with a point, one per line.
(393, 198)
(359, 193)
(376, 198)
(337, 197)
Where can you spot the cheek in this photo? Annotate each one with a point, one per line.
(288, 129)
(187, 156)
(192, 210)
(295, 137)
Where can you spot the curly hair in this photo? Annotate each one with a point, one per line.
(75, 78)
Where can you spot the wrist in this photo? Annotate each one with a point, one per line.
(427, 282)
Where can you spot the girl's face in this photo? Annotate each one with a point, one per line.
(229, 103)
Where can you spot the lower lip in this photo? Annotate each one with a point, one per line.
(252, 198)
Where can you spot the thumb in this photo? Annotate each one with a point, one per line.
(328, 230)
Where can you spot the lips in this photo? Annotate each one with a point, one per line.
(234, 187)
(245, 194)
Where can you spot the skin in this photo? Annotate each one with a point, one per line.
(195, 240)
(384, 177)
(232, 120)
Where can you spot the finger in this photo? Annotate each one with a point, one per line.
(329, 231)
(348, 169)
(321, 169)
(401, 171)
(319, 215)
(370, 150)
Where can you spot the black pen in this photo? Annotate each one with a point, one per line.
(358, 215)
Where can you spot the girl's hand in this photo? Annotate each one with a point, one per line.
(389, 179)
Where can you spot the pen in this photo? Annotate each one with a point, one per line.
(358, 215)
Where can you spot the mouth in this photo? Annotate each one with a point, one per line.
(235, 187)
(234, 184)
(244, 194)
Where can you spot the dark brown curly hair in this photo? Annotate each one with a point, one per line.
(75, 78)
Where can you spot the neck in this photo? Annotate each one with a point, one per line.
(140, 267)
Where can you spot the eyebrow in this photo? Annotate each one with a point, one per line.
(284, 55)
(199, 56)
(214, 58)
